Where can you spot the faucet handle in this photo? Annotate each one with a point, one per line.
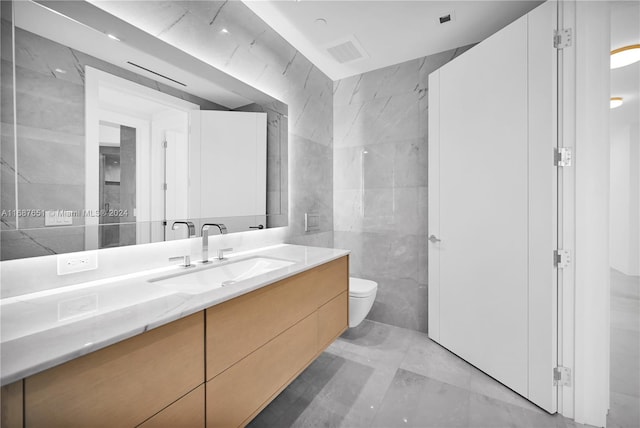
(222, 251)
(186, 260)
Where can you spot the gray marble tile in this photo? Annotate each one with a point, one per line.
(348, 168)
(384, 82)
(377, 166)
(423, 259)
(57, 115)
(349, 216)
(416, 401)
(400, 302)
(15, 244)
(155, 16)
(481, 383)
(311, 169)
(488, 412)
(44, 56)
(43, 196)
(351, 241)
(410, 163)
(321, 396)
(374, 344)
(625, 362)
(406, 216)
(365, 408)
(316, 239)
(429, 359)
(41, 160)
(624, 411)
(380, 120)
(391, 256)
(378, 375)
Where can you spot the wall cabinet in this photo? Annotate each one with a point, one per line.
(255, 344)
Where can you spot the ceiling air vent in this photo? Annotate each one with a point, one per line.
(346, 50)
(446, 17)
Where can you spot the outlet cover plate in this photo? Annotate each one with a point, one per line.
(77, 262)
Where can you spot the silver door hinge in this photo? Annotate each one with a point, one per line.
(164, 144)
(164, 186)
(564, 156)
(562, 38)
(562, 258)
(561, 376)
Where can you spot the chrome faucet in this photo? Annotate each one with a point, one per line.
(186, 260)
(205, 239)
(190, 226)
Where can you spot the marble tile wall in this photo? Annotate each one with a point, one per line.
(380, 183)
(253, 52)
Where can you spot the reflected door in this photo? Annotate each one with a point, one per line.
(232, 160)
(492, 212)
(117, 186)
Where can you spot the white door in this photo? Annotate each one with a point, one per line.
(492, 193)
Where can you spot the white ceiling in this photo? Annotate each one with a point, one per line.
(390, 32)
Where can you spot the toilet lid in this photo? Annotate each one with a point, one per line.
(359, 287)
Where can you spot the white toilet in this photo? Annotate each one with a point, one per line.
(362, 293)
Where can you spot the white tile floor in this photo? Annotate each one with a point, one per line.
(378, 375)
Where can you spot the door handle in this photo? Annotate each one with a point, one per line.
(434, 239)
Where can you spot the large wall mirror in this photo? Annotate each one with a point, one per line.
(110, 136)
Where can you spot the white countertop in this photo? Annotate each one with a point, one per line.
(47, 328)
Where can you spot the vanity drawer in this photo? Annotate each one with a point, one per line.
(123, 384)
(333, 320)
(240, 392)
(238, 327)
(331, 279)
(186, 412)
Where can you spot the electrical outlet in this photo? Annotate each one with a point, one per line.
(58, 218)
(77, 262)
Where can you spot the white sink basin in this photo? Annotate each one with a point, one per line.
(209, 278)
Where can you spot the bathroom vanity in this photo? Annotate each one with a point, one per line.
(214, 359)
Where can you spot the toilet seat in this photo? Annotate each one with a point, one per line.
(359, 287)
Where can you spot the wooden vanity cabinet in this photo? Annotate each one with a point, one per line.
(11, 409)
(123, 384)
(258, 343)
(255, 345)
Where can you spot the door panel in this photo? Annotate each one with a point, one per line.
(232, 150)
(483, 206)
(491, 276)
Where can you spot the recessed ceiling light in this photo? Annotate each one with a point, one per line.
(225, 31)
(615, 102)
(321, 21)
(61, 71)
(112, 37)
(625, 55)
